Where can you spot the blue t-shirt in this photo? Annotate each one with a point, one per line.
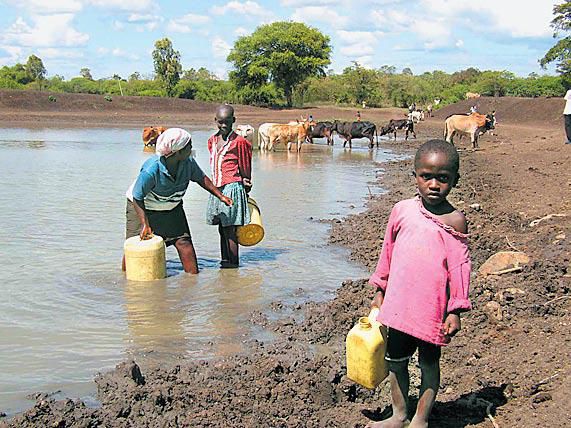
(159, 190)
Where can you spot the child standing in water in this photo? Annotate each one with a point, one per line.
(422, 280)
(231, 164)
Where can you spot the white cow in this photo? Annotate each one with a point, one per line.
(416, 116)
(246, 131)
(264, 135)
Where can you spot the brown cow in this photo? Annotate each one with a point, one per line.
(470, 95)
(473, 124)
(150, 135)
(289, 133)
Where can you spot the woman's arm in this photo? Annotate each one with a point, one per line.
(209, 186)
(146, 231)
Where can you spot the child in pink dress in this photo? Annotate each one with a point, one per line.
(422, 280)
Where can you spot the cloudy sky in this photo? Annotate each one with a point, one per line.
(117, 36)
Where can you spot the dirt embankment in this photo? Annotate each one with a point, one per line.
(34, 109)
(540, 111)
(511, 361)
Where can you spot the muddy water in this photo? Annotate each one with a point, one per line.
(67, 311)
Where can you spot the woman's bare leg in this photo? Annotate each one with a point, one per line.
(187, 254)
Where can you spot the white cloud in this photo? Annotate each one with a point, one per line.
(53, 53)
(319, 14)
(51, 6)
(46, 31)
(303, 3)
(138, 18)
(120, 53)
(186, 23)
(459, 43)
(141, 22)
(241, 31)
(512, 17)
(126, 5)
(15, 54)
(220, 48)
(433, 32)
(358, 44)
(117, 52)
(248, 8)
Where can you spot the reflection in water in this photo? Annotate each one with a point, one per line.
(241, 295)
(154, 316)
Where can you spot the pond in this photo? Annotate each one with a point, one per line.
(68, 312)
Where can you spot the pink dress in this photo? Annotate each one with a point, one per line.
(424, 270)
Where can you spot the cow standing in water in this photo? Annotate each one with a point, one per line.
(322, 130)
(350, 130)
(287, 134)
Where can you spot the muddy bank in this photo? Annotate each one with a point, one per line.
(510, 361)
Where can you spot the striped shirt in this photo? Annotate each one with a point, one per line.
(160, 190)
(230, 161)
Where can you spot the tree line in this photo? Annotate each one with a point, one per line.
(285, 63)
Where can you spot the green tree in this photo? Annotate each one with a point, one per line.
(561, 51)
(282, 53)
(167, 65)
(200, 74)
(36, 70)
(86, 73)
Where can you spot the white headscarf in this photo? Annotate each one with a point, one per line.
(171, 141)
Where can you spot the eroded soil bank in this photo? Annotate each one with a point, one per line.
(511, 361)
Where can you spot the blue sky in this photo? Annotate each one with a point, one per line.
(117, 36)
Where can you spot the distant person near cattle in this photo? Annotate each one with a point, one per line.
(358, 116)
(567, 116)
(422, 281)
(231, 164)
(154, 200)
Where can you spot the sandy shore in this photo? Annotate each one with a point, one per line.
(511, 361)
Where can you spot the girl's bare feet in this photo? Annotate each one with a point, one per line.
(392, 422)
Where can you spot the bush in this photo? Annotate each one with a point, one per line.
(52, 99)
(152, 93)
(108, 98)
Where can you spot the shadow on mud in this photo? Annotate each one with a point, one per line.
(468, 409)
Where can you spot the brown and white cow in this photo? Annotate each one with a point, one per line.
(473, 124)
(287, 134)
(150, 135)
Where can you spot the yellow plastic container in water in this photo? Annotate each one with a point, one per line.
(365, 348)
(251, 234)
(145, 259)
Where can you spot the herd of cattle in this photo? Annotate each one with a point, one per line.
(270, 135)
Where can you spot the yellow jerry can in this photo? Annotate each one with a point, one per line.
(252, 233)
(365, 348)
(145, 260)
